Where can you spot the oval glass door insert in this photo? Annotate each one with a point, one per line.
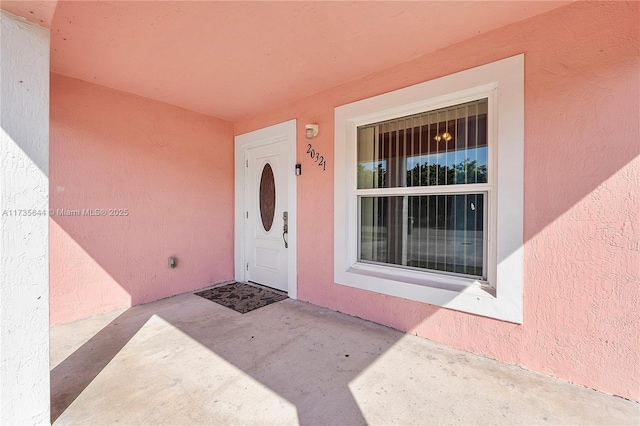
(267, 197)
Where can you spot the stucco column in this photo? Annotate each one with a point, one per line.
(24, 222)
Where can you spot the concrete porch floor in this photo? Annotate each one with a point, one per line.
(187, 360)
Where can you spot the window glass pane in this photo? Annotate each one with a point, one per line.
(267, 197)
(442, 147)
(436, 232)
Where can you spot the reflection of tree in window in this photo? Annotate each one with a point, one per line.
(371, 177)
(431, 174)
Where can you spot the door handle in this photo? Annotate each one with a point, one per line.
(285, 228)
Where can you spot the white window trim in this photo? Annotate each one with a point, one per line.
(501, 296)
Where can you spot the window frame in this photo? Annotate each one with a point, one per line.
(485, 92)
(500, 296)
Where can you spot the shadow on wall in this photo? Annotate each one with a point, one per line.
(582, 159)
(140, 157)
(133, 182)
(167, 174)
(173, 170)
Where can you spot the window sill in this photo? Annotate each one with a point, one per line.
(444, 282)
(472, 297)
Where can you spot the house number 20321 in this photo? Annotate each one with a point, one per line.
(316, 157)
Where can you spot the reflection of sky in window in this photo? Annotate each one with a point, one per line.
(447, 158)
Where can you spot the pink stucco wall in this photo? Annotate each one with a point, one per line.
(582, 205)
(172, 169)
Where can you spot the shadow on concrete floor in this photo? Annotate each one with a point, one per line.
(186, 360)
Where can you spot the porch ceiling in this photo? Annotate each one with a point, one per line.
(232, 60)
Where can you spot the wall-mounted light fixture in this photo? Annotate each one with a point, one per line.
(311, 130)
(298, 169)
(173, 262)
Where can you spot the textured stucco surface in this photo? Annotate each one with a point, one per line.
(235, 59)
(24, 193)
(39, 12)
(171, 169)
(582, 168)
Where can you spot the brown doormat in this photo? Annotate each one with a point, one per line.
(243, 297)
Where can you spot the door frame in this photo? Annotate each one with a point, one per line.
(277, 133)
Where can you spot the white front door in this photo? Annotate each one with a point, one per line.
(266, 218)
(260, 254)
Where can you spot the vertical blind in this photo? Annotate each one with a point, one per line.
(441, 232)
(443, 147)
